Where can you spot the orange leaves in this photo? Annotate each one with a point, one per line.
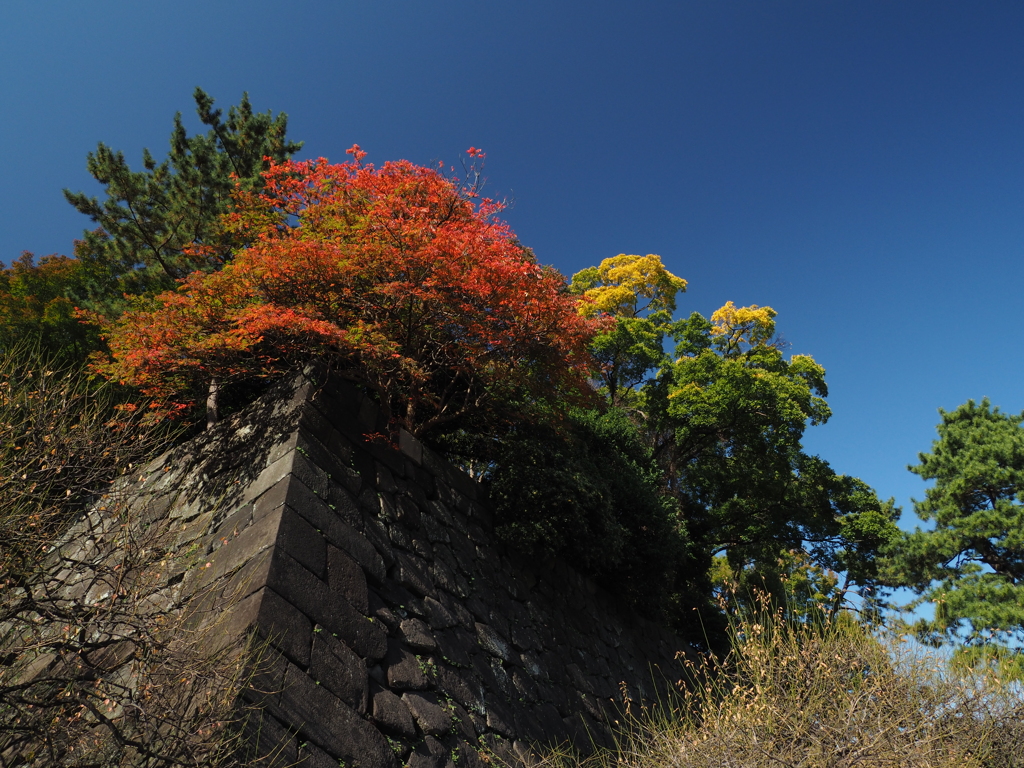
(412, 286)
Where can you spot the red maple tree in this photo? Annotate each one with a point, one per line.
(405, 280)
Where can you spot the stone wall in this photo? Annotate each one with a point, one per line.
(397, 630)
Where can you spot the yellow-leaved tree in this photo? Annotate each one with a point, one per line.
(641, 295)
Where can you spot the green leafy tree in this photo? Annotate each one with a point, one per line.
(970, 564)
(724, 419)
(158, 224)
(727, 417)
(641, 295)
(36, 308)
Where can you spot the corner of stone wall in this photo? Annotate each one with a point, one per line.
(393, 629)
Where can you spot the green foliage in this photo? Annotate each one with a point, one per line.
(970, 565)
(723, 420)
(641, 295)
(726, 418)
(36, 307)
(803, 590)
(158, 224)
(589, 493)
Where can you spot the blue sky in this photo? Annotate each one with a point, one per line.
(858, 166)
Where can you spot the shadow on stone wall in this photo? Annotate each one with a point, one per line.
(392, 629)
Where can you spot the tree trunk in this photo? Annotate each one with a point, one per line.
(212, 416)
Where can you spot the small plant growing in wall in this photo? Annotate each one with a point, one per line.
(427, 666)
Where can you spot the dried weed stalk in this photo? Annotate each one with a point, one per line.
(827, 693)
(99, 664)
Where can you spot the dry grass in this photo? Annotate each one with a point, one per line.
(826, 694)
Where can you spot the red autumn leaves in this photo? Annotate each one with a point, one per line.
(402, 279)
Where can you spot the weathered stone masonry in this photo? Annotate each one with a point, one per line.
(400, 632)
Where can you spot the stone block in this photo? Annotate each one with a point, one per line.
(385, 506)
(345, 577)
(443, 576)
(311, 596)
(385, 480)
(524, 685)
(438, 616)
(391, 713)
(249, 543)
(322, 718)
(524, 638)
(503, 679)
(377, 534)
(410, 446)
(403, 669)
(400, 537)
(435, 529)
(336, 667)
(550, 720)
(491, 641)
(337, 531)
(454, 647)
(468, 756)
(500, 750)
(284, 626)
(592, 707)
(266, 743)
(367, 414)
(421, 485)
(408, 512)
(303, 542)
(427, 713)
(409, 571)
(423, 759)
(579, 679)
(417, 635)
(481, 664)
(284, 447)
(458, 610)
(231, 527)
(526, 754)
(462, 724)
(266, 679)
(311, 756)
(500, 608)
(422, 547)
(271, 498)
(396, 597)
(380, 611)
(312, 476)
(587, 735)
(248, 579)
(440, 513)
(430, 754)
(479, 608)
(387, 456)
(155, 507)
(462, 686)
(527, 725)
(344, 505)
(313, 423)
(319, 455)
(268, 478)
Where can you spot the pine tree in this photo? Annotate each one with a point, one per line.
(158, 224)
(971, 564)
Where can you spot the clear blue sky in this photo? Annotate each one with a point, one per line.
(858, 166)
